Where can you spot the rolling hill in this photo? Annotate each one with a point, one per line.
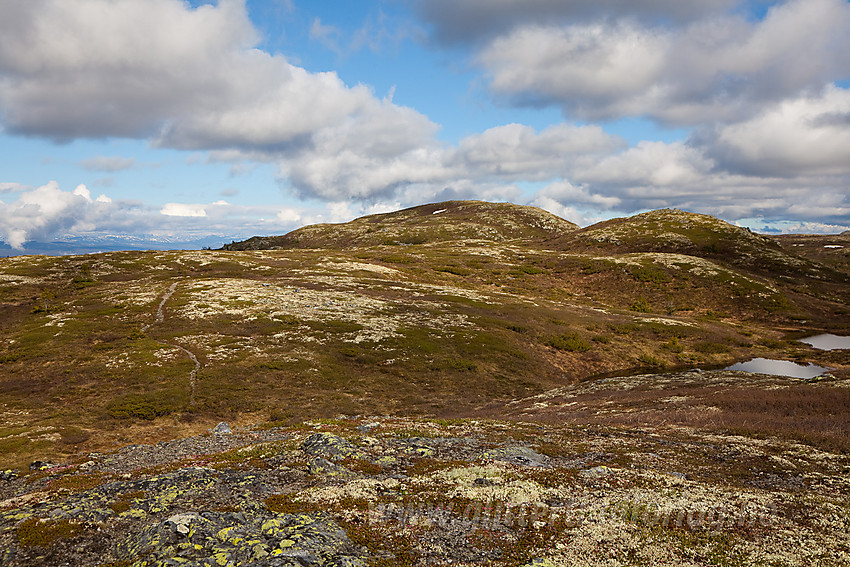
(426, 224)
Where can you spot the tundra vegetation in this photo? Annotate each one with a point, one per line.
(467, 327)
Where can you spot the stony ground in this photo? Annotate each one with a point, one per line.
(395, 491)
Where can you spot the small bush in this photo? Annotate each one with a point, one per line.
(461, 365)
(531, 270)
(641, 305)
(673, 345)
(711, 348)
(569, 342)
(456, 270)
(349, 352)
(651, 361)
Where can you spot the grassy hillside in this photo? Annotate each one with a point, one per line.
(492, 304)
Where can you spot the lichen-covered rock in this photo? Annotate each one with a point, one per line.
(8, 475)
(596, 472)
(419, 446)
(324, 467)
(330, 447)
(207, 539)
(518, 456)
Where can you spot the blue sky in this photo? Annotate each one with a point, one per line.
(179, 119)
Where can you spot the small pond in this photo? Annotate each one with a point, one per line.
(828, 342)
(779, 368)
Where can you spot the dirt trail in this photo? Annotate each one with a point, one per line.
(160, 317)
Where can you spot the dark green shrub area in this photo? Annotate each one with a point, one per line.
(140, 407)
(570, 342)
(649, 274)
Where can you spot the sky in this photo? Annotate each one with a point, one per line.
(180, 119)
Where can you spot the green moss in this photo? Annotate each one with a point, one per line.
(35, 532)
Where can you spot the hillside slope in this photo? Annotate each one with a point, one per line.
(437, 222)
(693, 234)
(164, 343)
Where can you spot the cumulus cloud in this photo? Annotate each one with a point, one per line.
(720, 68)
(187, 78)
(46, 211)
(516, 151)
(805, 135)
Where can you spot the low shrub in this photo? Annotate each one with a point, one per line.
(569, 342)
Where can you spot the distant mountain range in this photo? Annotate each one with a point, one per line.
(73, 245)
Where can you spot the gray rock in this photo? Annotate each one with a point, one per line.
(367, 427)
(222, 428)
(596, 472)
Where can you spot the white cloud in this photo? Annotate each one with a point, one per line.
(516, 151)
(327, 35)
(805, 135)
(557, 207)
(660, 164)
(720, 68)
(288, 216)
(7, 187)
(183, 210)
